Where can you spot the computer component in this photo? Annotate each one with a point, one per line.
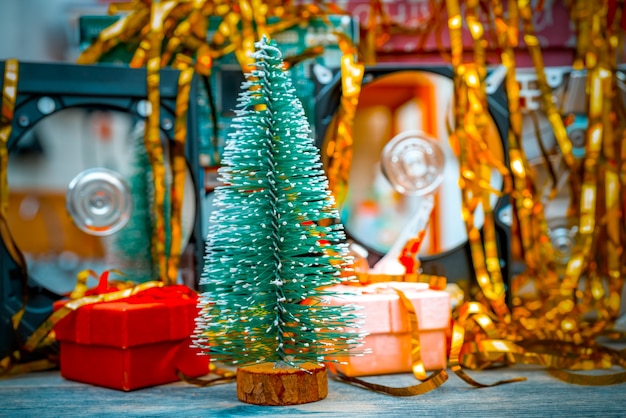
(80, 187)
(396, 99)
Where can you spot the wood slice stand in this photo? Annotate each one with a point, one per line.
(268, 384)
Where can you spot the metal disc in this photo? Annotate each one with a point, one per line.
(413, 163)
(99, 201)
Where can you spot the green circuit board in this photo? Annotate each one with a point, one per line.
(217, 96)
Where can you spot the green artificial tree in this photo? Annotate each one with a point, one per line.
(275, 242)
(131, 247)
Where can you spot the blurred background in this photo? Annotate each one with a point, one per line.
(48, 31)
(43, 30)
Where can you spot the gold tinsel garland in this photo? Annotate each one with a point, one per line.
(556, 315)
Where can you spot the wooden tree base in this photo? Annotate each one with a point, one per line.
(268, 384)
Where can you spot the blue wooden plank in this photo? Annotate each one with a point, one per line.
(47, 394)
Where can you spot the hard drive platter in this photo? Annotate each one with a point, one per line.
(394, 100)
(80, 186)
(88, 145)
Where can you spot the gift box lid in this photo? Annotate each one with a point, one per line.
(153, 315)
(383, 311)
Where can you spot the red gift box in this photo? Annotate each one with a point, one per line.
(131, 343)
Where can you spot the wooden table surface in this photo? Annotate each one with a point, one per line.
(47, 394)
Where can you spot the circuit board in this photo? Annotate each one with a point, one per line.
(217, 96)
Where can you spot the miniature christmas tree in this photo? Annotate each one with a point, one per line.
(131, 247)
(274, 244)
